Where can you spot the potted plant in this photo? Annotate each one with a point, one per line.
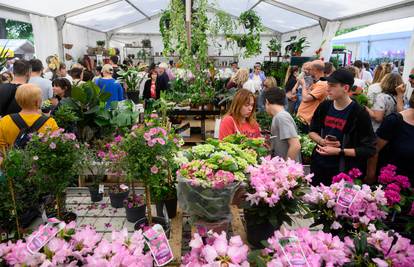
(208, 177)
(100, 43)
(250, 20)
(146, 43)
(134, 207)
(112, 155)
(132, 78)
(368, 205)
(274, 46)
(296, 46)
(273, 195)
(86, 103)
(307, 147)
(95, 169)
(56, 158)
(149, 148)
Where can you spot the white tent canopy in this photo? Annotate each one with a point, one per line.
(385, 39)
(82, 22)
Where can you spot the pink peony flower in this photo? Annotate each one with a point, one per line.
(154, 169)
(392, 196)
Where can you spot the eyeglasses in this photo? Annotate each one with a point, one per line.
(411, 76)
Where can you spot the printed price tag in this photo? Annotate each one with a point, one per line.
(293, 251)
(44, 235)
(101, 189)
(158, 244)
(347, 195)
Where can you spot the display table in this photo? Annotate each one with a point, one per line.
(196, 112)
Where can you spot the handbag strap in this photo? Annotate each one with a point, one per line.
(235, 125)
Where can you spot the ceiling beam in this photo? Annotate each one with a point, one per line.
(135, 23)
(159, 34)
(137, 9)
(294, 9)
(90, 8)
(256, 4)
(84, 27)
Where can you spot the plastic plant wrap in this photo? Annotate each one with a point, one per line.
(205, 204)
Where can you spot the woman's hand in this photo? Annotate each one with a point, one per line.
(400, 89)
(328, 150)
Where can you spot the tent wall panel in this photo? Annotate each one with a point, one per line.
(81, 38)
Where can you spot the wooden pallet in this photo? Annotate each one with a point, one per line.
(176, 232)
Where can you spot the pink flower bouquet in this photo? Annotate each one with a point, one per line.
(368, 206)
(80, 247)
(215, 250)
(314, 249)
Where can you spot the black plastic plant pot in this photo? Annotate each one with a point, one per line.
(171, 205)
(143, 224)
(136, 213)
(67, 216)
(95, 195)
(256, 233)
(134, 96)
(117, 199)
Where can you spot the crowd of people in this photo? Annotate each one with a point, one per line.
(348, 135)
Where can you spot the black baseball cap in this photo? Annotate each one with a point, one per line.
(341, 76)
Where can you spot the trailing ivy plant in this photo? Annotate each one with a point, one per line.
(165, 22)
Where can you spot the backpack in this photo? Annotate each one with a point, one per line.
(25, 131)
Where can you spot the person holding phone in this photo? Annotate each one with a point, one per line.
(343, 131)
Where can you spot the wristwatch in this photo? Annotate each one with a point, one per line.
(342, 152)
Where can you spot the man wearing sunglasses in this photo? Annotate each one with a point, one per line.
(410, 88)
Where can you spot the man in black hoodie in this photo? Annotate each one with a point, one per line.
(343, 131)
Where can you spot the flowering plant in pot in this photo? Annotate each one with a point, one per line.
(368, 206)
(215, 250)
(79, 247)
(149, 148)
(134, 207)
(111, 156)
(56, 158)
(208, 177)
(400, 200)
(273, 195)
(301, 247)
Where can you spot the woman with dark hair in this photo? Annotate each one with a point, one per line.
(390, 100)
(240, 117)
(290, 82)
(395, 144)
(152, 87)
(61, 90)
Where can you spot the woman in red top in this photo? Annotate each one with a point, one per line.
(151, 87)
(241, 118)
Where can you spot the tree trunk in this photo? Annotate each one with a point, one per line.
(148, 200)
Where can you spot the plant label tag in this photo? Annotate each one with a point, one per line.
(158, 244)
(293, 251)
(101, 189)
(347, 195)
(44, 234)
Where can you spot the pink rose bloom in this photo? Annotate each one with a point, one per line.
(52, 145)
(154, 169)
(101, 154)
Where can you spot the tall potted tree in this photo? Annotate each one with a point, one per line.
(56, 158)
(149, 149)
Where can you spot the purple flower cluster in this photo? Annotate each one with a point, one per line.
(134, 201)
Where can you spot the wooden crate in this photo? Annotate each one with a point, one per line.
(176, 232)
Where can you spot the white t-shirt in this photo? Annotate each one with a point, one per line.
(366, 76)
(359, 83)
(373, 91)
(386, 103)
(251, 86)
(45, 85)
